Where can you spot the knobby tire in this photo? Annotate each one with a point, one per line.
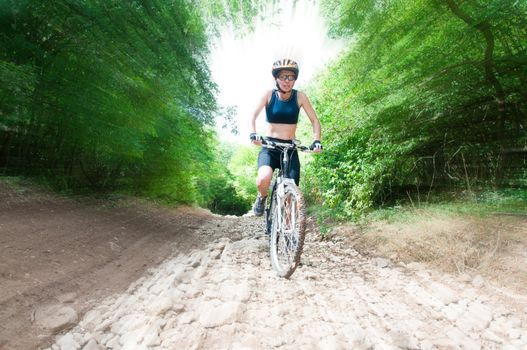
(283, 260)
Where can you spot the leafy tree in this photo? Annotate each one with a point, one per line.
(219, 186)
(242, 165)
(429, 96)
(110, 95)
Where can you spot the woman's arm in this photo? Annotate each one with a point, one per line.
(256, 113)
(303, 101)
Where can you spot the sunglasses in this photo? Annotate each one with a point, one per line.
(287, 77)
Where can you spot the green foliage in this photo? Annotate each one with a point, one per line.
(117, 96)
(109, 96)
(219, 188)
(243, 167)
(487, 203)
(238, 13)
(225, 200)
(426, 98)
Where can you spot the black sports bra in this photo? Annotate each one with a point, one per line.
(283, 112)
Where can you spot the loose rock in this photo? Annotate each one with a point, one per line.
(55, 317)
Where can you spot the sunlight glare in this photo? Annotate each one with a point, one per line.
(241, 66)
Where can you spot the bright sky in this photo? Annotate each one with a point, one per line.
(242, 66)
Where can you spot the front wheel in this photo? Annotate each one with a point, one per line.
(287, 231)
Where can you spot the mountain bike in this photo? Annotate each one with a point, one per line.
(285, 214)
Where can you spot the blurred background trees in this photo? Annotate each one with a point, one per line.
(430, 97)
(109, 95)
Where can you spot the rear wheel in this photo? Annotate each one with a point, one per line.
(287, 231)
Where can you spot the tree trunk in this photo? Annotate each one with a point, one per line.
(490, 72)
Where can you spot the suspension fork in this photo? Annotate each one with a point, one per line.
(285, 163)
(281, 183)
(287, 206)
(271, 205)
(279, 189)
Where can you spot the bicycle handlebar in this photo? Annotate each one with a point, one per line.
(274, 144)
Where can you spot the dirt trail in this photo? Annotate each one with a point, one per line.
(218, 292)
(77, 251)
(226, 297)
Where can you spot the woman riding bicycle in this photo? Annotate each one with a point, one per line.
(282, 107)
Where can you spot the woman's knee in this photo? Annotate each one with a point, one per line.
(263, 180)
(264, 177)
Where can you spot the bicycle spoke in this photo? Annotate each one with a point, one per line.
(288, 232)
(288, 243)
(284, 255)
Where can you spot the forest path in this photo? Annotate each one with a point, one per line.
(83, 274)
(225, 296)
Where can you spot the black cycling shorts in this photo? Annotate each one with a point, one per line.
(271, 157)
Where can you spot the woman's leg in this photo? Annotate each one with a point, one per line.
(263, 180)
(268, 160)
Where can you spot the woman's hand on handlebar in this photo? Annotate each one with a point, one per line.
(316, 146)
(255, 139)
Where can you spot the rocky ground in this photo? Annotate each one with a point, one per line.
(216, 290)
(225, 296)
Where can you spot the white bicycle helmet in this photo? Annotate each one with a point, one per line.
(285, 64)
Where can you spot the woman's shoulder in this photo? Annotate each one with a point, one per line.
(267, 96)
(269, 93)
(300, 95)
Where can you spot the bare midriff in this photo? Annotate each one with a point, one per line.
(281, 131)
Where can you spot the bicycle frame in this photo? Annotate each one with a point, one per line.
(285, 214)
(282, 179)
